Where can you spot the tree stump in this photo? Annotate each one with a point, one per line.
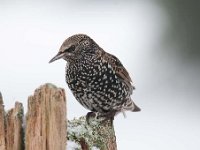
(46, 126)
(11, 131)
(46, 119)
(14, 130)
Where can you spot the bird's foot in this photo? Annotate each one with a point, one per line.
(109, 116)
(102, 117)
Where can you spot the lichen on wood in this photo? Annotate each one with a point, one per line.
(95, 135)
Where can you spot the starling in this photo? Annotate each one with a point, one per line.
(97, 79)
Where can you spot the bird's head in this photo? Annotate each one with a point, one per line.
(74, 47)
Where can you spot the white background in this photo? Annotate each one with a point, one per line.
(167, 86)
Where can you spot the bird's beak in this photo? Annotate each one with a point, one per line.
(58, 56)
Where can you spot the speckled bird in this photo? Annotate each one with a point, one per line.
(97, 79)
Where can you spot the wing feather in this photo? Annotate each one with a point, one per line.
(119, 69)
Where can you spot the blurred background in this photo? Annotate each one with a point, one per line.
(156, 40)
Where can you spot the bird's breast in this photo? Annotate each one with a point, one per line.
(96, 78)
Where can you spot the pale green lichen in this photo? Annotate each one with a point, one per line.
(95, 134)
(50, 85)
(20, 114)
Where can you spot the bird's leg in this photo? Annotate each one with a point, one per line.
(89, 115)
(104, 117)
(107, 116)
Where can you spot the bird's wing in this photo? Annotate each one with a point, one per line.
(119, 69)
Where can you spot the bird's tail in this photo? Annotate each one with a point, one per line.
(131, 106)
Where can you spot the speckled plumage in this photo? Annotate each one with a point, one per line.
(97, 79)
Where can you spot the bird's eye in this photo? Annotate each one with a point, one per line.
(70, 49)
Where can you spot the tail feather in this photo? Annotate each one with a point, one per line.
(131, 106)
(136, 108)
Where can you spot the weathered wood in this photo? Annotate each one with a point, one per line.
(2, 125)
(98, 134)
(46, 119)
(11, 131)
(46, 125)
(14, 130)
